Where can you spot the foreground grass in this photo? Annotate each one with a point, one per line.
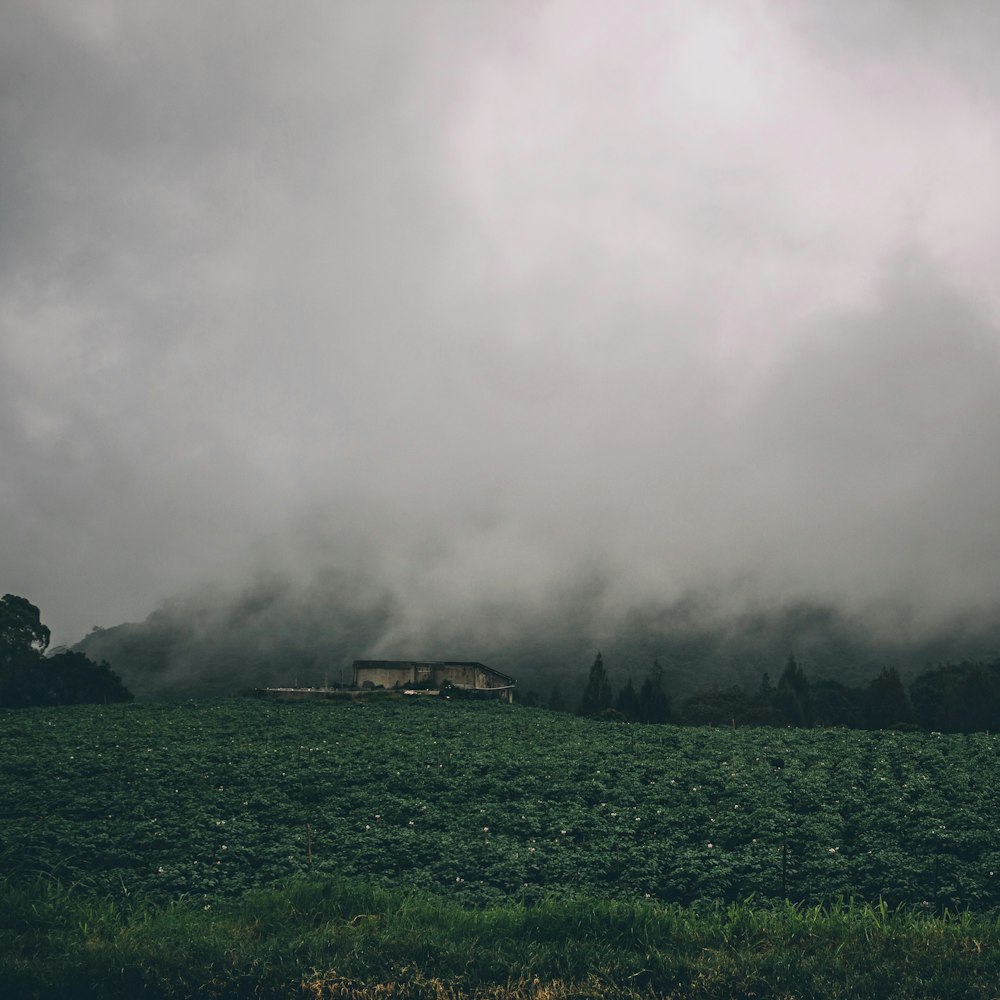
(326, 939)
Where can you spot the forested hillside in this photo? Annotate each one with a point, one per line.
(219, 642)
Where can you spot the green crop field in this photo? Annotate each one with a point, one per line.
(487, 802)
(191, 807)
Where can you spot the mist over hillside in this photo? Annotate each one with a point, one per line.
(501, 331)
(275, 631)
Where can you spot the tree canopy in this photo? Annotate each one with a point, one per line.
(28, 678)
(21, 627)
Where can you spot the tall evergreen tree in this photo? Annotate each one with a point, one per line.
(792, 696)
(626, 701)
(557, 703)
(597, 693)
(654, 702)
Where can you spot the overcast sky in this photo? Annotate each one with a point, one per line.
(485, 297)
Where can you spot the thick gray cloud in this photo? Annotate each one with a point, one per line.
(491, 299)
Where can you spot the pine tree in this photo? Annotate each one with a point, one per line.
(792, 695)
(626, 701)
(597, 693)
(556, 701)
(654, 702)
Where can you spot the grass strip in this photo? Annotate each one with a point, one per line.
(331, 939)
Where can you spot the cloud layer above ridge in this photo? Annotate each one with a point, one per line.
(486, 300)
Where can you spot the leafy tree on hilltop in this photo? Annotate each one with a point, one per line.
(29, 678)
(597, 693)
(21, 628)
(23, 637)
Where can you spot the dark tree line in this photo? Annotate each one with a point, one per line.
(28, 677)
(798, 701)
(952, 698)
(649, 704)
(958, 697)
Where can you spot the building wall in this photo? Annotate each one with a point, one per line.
(459, 674)
(386, 677)
(485, 679)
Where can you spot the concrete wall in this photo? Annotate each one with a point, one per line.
(386, 677)
(459, 674)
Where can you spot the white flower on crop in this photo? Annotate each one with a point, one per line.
(410, 823)
(486, 829)
(367, 827)
(225, 847)
(833, 850)
(711, 846)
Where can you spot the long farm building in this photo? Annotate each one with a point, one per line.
(438, 675)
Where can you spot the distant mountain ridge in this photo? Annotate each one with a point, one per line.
(217, 643)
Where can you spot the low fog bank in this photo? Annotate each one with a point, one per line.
(276, 631)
